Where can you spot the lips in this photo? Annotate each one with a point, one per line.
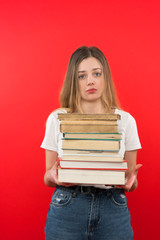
(91, 90)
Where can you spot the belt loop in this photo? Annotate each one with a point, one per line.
(74, 194)
(83, 189)
(86, 189)
(109, 193)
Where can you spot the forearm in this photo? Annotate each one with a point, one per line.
(51, 177)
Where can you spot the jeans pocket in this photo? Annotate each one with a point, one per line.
(119, 199)
(61, 198)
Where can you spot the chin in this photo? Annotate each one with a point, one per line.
(90, 99)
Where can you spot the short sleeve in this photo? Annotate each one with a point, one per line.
(132, 141)
(50, 139)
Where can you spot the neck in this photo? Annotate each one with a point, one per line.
(93, 107)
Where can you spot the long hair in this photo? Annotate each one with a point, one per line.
(70, 94)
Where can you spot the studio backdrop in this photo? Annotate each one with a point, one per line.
(37, 39)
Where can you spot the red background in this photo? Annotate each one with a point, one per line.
(36, 42)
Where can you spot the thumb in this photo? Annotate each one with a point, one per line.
(137, 167)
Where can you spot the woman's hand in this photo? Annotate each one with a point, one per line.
(51, 176)
(131, 179)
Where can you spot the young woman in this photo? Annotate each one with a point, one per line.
(89, 212)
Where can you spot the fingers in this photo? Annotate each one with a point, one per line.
(135, 170)
(131, 181)
(137, 167)
(68, 184)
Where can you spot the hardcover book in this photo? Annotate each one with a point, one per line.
(93, 165)
(91, 176)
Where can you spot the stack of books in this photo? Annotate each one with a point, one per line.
(90, 147)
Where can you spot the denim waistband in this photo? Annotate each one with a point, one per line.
(89, 189)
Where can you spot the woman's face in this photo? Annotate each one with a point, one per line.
(91, 79)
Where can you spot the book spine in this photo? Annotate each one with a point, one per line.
(88, 128)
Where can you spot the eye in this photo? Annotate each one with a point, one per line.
(97, 74)
(82, 76)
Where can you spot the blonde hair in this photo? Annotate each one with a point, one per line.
(70, 94)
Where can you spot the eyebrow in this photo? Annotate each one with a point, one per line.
(92, 70)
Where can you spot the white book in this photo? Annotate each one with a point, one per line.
(77, 155)
(91, 176)
(93, 165)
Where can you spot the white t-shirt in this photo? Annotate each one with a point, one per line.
(126, 126)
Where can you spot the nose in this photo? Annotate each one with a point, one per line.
(90, 80)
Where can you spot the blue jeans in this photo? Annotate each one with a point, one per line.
(74, 215)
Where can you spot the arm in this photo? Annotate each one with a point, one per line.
(131, 173)
(51, 176)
